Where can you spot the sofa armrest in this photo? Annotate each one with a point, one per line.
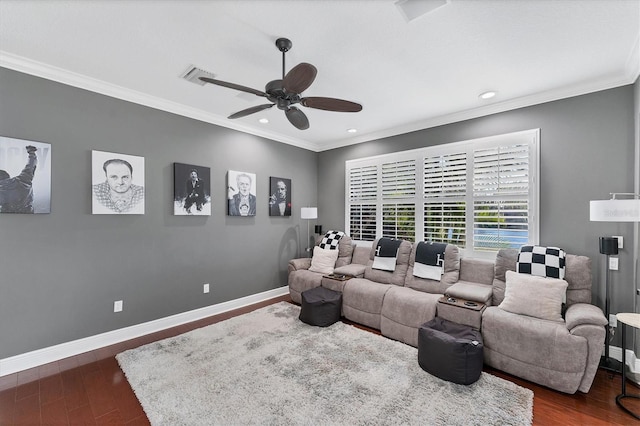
(588, 321)
(298, 264)
(584, 314)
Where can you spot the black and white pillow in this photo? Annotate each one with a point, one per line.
(541, 261)
(331, 240)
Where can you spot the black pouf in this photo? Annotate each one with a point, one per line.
(320, 306)
(450, 351)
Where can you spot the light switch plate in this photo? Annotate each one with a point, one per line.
(620, 241)
(117, 306)
(613, 263)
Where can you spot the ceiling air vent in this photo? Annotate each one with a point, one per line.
(193, 75)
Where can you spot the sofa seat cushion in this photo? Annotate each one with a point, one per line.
(403, 312)
(532, 341)
(353, 269)
(362, 301)
(302, 280)
(471, 291)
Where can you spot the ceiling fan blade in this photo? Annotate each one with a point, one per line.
(331, 104)
(233, 86)
(251, 110)
(297, 118)
(299, 78)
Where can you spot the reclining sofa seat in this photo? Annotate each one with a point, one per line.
(302, 279)
(362, 297)
(561, 355)
(407, 307)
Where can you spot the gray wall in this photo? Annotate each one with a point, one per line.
(587, 151)
(61, 272)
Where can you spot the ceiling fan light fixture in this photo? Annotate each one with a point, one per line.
(488, 94)
(286, 92)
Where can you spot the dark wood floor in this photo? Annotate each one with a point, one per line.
(90, 389)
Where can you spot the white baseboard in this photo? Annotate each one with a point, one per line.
(54, 353)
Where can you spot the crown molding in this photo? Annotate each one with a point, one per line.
(628, 77)
(39, 69)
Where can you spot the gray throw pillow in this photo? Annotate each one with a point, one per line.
(534, 296)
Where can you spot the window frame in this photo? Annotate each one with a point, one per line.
(531, 138)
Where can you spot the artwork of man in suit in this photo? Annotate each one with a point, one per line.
(194, 191)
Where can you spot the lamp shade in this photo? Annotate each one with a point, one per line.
(614, 211)
(309, 213)
(608, 245)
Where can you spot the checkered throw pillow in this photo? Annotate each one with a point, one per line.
(541, 261)
(331, 239)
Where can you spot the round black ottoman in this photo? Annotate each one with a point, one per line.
(450, 351)
(320, 306)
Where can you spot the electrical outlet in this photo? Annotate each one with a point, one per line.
(620, 241)
(206, 288)
(613, 263)
(613, 320)
(117, 306)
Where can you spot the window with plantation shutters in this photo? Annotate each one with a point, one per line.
(481, 195)
(362, 189)
(399, 180)
(363, 183)
(501, 180)
(398, 221)
(445, 190)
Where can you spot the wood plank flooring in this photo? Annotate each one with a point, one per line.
(90, 389)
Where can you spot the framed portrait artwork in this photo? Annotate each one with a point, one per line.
(25, 176)
(191, 190)
(280, 196)
(241, 193)
(117, 183)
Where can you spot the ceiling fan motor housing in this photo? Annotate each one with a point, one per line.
(283, 44)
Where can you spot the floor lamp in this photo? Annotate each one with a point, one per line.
(308, 213)
(613, 210)
(609, 247)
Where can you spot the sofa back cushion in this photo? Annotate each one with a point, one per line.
(474, 270)
(577, 275)
(387, 277)
(448, 278)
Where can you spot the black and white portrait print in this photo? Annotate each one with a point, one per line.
(192, 190)
(117, 183)
(280, 196)
(241, 193)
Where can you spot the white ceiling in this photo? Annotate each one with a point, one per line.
(407, 75)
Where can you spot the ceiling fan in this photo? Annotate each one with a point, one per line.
(285, 93)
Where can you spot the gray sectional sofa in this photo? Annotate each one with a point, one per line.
(560, 354)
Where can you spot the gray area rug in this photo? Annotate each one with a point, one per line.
(267, 367)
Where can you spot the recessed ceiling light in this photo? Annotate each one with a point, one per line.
(352, 130)
(487, 95)
(264, 120)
